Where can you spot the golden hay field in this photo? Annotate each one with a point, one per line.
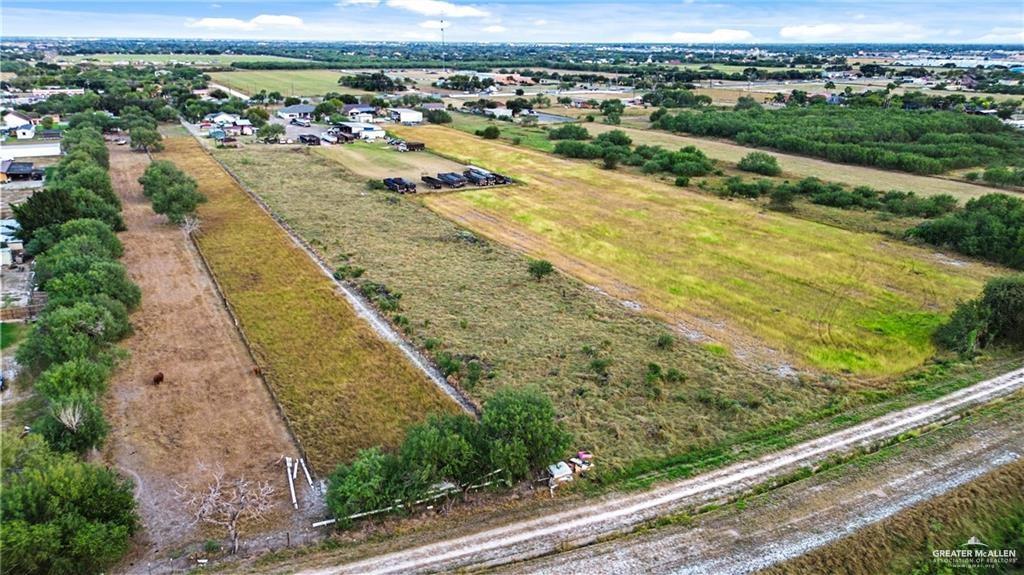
(341, 387)
(831, 298)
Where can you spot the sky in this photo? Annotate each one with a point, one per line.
(675, 21)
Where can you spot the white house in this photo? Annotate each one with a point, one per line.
(363, 130)
(26, 132)
(33, 150)
(304, 111)
(406, 115)
(221, 118)
(14, 119)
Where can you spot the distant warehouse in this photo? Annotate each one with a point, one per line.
(406, 115)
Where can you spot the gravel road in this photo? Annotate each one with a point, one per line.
(619, 514)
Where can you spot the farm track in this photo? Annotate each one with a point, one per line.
(620, 514)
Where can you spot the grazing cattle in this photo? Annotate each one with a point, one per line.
(158, 378)
(257, 371)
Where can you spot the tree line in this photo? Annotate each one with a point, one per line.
(60, 514)
(517, 434)
(919, 142)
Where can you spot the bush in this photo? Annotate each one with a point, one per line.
(991, 227)
(521, 431)
(61, 516)
(782, 199)
(438, 117)
(540, 268)
(444, 448)
(997, 317)
(682, 181)
(489, 133)
(569, 132)
(760, 163)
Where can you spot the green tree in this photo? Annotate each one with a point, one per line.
(441, 449)
(61, 516)
(146, 139)
(540, 268)
(73, 423)
(521, 431)
(1004, 297)
(438, 117)
(270, 132)
(173, 192)
(368, 483)
(84, 329)
(49, 236)
(43, 208)
(102, 277)
(71, 377)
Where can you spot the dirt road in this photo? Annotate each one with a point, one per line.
(211, 409)
(618, 514)
(797, 518)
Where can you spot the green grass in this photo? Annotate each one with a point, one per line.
(11, 333)
(341, 387)
(829, 298)
(300, 83)
(219, 59)
(530, 137)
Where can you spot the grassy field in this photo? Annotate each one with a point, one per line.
(532, 137)
(472, 300)
(304, 83)
(341, 387)
(802, 167)
(218, 59)
(378, 160)
(832, 299)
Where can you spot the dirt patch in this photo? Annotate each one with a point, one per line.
(211, 409)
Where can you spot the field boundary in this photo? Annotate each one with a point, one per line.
(361, 305)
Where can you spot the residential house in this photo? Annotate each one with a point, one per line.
(498, 112)
(432, 106)
(304, 111)
(217, 118)
(357, 112)
(15, 119)
(406, 115)
(26, 132)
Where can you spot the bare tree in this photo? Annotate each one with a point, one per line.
(190, 225)
(69, 414)
(228, 502)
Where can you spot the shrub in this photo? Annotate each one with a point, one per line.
(782, 199)
(61, 516)
(444, 448)
(489, 133)
(569, 132)
(996, 317)
(540, 268)
(682, 181)
(989, 227)
(372, 481)
(520, 429)
(438, 117)
(665, 341)
(760, 163)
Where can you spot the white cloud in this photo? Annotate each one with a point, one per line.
(215, 6)
(435, 24)
(495, 29)
(438, 8)
(540, 22)
(1002, 35)
(835, 32)
(258, 23)
(370, 3)
(720, 35)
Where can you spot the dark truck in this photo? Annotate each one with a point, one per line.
(400, 185)
(476, 178)
(309, 139)
(452, 180)
(490, 177)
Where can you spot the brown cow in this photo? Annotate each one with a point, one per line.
(158, 378)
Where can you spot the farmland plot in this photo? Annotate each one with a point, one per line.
(341, 387)
(300, 83)
(832, 299)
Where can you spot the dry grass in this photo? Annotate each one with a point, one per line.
(830, 298)
(378, 160)
(341, 387)
(796, 167)
(474, 300)
(991, 505)
(300, 83)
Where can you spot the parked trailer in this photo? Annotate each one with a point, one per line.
(476, 179)
(410, 187)
(432, 182)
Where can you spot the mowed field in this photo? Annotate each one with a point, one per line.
(830, 298)
(377, 161)
(300, 83)
(341, 387)
(802, 167)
